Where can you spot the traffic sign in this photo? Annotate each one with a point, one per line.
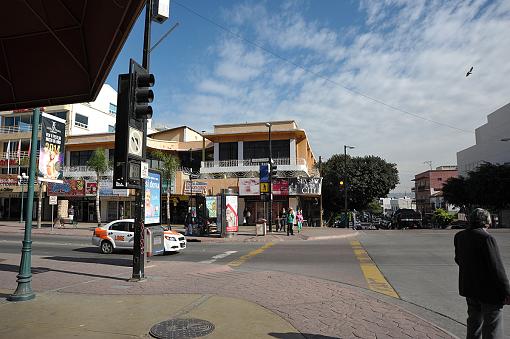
(264, 187)
(53, 199)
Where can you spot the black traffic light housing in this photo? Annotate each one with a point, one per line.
(134, 96)
(273, 170)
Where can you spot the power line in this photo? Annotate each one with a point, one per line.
(316, 74)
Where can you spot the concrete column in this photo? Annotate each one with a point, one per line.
(216, 151)
(240, 152)
(293, 151)
(68, 158)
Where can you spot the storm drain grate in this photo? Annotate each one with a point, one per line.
(181, 328)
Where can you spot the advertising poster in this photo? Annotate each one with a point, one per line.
(232, 222)
(153, 198)
(211, 205)
(264, 172)
(51, 151)
(280, 187)
(68, 188)
(90, 188)
(249, 186)
(198, 187)
(8, 179)
(305, 186)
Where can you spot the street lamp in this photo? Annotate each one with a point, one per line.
(270, 215)
(203, 147)
(22, 178)
(191, 182)
(346, 181)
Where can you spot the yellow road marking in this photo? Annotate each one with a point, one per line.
(375, 279)
(241, 260)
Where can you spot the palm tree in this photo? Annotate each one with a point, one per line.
(99, 163)
(168, 167)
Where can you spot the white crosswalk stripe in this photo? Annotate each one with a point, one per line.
(218, 256)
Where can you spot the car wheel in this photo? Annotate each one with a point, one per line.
(106, 247)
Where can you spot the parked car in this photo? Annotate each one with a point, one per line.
(120, 234)
(406, 218)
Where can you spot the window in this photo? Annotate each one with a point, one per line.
(11, 121)
(111, 129)
(80, 158)
(119, 226)
(61, 115)
(113, 108)
(81, 121)
(260, 149)
(228, 151)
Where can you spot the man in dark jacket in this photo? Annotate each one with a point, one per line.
(482, 277)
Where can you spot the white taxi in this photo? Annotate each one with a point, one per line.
(121, 234)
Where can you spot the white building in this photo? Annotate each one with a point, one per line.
(489, 146)
(390, 205)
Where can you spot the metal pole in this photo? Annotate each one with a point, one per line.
(345, 183)
(139, 239)
(320, 198)
(24, 278)
(22, 193)
(270, 185)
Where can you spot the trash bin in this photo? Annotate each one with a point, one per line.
(155, 240)
(260, 226)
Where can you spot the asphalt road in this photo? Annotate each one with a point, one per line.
(418, 264)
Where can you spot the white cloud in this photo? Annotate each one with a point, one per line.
(410, 54)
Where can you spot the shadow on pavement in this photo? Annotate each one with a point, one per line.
(291, 335)
(104, 261)
(36, 270)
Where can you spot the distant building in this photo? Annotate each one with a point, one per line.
(489, 146)
(428, 184)
(390, 205)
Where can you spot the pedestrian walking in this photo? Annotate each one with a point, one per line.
(299, 217)
(188, 223)
(482, 277)
(283, 221)
(290, 221)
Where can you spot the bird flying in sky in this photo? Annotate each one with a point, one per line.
(470, 72)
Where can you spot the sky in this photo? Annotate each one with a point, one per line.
(388, 77)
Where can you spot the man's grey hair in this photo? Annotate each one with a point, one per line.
(479, 218)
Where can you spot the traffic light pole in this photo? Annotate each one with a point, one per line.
(139, 240)
(270, 214)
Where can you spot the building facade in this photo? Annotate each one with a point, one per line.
(428, 184)
(492, 143)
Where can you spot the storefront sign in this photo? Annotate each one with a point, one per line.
(8, 179)
(68, 188)
(280, 187)
(153, 198)
(305, 186)
(11, 162)
(106, 189)
(91, 188)
(211, 203)
(249, 186)
(198, 187)
(51, 152)
(231, 218)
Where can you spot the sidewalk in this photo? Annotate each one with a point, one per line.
(92, 298)
(245, 234)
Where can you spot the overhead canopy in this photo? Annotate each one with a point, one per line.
(56, 52)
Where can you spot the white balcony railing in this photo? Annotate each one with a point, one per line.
(225, 166)
(16, 129)
(14, 154)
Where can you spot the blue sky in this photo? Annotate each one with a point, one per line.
(385, 76)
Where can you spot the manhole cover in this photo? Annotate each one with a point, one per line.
(181, 328)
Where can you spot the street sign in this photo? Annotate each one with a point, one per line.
(264, 187)
(145, 170)
(53, 199)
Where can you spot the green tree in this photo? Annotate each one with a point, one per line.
(99, 164)
(375, 208)
(442, 217)
(169, 165)
(488, 187)
(366, 179)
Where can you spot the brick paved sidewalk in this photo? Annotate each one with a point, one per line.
(310, 305)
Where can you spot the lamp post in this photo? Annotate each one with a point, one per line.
(346, 182)
(191, 183)
(24, 278)
(270, 212)
(203, 147)
(21, 178)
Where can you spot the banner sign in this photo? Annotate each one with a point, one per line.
(232, 222)
(8, 179)
(91, 188)
(198, 187)
(305, 186)
(249, 186)
(51, 151)
(211, 204)
(280, 187)
(68, 188)
(264, 172)
(8, 162)
(153, 198)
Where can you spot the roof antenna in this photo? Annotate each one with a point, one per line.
(429, 162)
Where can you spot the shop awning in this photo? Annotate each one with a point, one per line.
(56, 52)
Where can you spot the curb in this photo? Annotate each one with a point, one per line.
(328, 237)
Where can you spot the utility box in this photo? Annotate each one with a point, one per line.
(154, 240)
(260, 227)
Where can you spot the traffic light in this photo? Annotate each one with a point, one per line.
(133, 99)
(140, 83)
(341, 184)
(273, 171)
